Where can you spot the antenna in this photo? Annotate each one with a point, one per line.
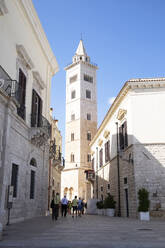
(81, 37)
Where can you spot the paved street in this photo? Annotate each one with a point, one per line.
(87, 231)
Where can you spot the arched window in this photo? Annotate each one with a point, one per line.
(33, 162)
(70, 193)
(66, 191)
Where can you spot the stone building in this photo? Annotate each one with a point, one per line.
(81, 123)
(128, 150)
(27, 65)
(56, 161)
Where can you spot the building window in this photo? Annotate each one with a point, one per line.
(101, 157)
(88, 157)
(73, 79)
(101, 188)
(21, 111)
(107, 151)
(72, 136)
(14, 179)
(73, 94)
(108, 186)
(89, 136)
(93, 163)
(88, 78)
(125, 180)
(32, 184)
(88, 116)
(72, 117)
(88, 94)
(36, 114)
(72, 157)
(123, 136)
(33, 162)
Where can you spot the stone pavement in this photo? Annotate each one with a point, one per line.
(87, 231)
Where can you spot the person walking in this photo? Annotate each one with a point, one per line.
(74, 205)
(64, 204)
(52, 205)
(56, 205)
(79, 207)
(69, 207)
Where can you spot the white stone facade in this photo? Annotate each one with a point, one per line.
(139, 104)
(81, 100)
(25, 52)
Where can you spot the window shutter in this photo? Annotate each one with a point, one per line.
(105, 147)
(40, 113)
(14, 178)
(34, 109)
(121, 138)
(126, 136)
(32, 184)
(21, 94)
(108, 150)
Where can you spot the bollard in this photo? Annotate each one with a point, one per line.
(1, 230)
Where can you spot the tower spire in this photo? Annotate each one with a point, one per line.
(81, 49)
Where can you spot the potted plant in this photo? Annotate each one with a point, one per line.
(99, 205)
(109, 205)
(144, 204)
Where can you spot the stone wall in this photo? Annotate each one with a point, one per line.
(150, 172)
(18, 149)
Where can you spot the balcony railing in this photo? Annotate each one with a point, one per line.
(8, 86)
(41, 122)
(90, 175)
(55, 154)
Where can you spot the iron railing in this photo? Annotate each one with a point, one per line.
(41, 122)
(90, 175)
(55, 153)
(8, 86)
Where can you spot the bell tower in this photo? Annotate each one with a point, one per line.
(81, 122)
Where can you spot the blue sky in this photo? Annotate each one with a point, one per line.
(124, 37)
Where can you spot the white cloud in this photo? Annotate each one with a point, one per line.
(111, 100)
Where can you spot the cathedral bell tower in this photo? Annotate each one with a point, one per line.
(81, 123)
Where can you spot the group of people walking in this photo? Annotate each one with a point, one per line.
(74, 207)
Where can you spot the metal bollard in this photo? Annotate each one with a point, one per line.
(1, 230)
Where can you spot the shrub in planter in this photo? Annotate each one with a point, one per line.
(99, 205)
(144, 204)
(109, 202)
(109, 205)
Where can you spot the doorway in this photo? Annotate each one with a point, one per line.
(126, 201)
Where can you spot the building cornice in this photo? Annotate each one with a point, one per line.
(39, 33)
(80, 62)
(143, 83)
(37, 76)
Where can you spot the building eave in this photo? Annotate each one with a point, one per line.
(143, 83)
(39, 33)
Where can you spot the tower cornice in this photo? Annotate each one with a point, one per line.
(91, 64)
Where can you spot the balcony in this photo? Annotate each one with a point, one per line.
(56, 155)
(40, 132)
(8, 86)
(90, 175)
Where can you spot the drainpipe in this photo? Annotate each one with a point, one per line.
(118, 170)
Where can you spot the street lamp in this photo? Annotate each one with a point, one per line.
(118, 170)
